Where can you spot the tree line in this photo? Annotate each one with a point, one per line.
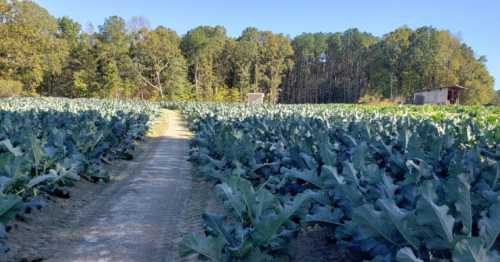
(347, 66)
(44, 55)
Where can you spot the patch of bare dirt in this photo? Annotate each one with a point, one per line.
(141, 215)
(135, 217)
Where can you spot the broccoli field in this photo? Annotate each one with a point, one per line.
(47, 143)
(389, 183)
(394, 183)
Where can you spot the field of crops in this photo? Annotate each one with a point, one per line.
(397, 183)
(389, 183)
(47, 144)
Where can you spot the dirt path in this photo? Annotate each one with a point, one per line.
(152, 202)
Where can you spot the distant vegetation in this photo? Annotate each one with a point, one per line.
(497, 98)
(56, 57)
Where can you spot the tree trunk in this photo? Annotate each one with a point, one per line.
(256, 78)
(196, 88)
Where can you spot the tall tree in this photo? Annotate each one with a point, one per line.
(305, 83)
(203, 47)
(244, 59)
(60, 83)
(115, 66)
(29, 47)
(397, 65)
(159, 62)
(388, 68)
(276, 59)
(496, 101)
(48, 56)
(84, 65)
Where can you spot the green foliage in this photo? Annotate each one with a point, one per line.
(10, 88)
(379, 100)
(29, 46)
(496, 100)
(264, 224)
(9, 206)
(394, 183)
(54, 57)
(343, 67)
(226, 94)
(159, 61)
(65, 140)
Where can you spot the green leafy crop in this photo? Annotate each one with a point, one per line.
(46, 143)
(394, 183)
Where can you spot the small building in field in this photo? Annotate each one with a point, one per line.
(440, 96)
(255, 98)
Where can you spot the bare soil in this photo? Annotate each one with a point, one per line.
(141, 215)
(150, 203)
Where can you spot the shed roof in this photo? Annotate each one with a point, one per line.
(455, 86)
(443, 87)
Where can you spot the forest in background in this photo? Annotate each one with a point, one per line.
(44, 55)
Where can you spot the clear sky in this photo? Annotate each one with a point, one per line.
(477, 22)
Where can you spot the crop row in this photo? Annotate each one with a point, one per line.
(391, 183)
(47, 144)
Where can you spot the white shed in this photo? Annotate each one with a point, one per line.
(440, 96)
(255, 98)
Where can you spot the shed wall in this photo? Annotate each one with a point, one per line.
(438, 96)
(255, 98)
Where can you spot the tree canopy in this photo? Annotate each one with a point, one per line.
(44, 55)
(343, 67)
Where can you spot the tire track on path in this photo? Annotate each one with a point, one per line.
(145, 212)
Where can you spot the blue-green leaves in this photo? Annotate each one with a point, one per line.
(489, 225)
(402, 220)
(324, 214)
(434, 219)
(473, 249)
(262, 223)
(407, 255)
(16, 151)
(50, 142)
(374, 221)
(458, 191)
(9, 206)
(209, 247)
(394, 183)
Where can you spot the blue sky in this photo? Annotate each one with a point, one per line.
(476, 22)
